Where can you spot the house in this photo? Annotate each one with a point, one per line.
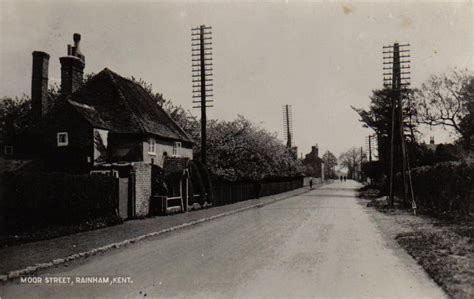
(108, 124)
(314, 164)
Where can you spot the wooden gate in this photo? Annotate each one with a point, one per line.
(123, 198)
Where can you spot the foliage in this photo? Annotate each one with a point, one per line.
(373, 170)
(35, 200)
(379, 118)
(14, 115)
(443, 187)
(466, 125)
(237, 149)
(446, 100)
(330, 162)
(351, 159)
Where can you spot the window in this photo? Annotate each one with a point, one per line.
(8, 150)
(152, 146)
(176, 148)
(63, 139)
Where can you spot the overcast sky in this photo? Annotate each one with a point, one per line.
(321, 58)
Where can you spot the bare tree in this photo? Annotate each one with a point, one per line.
(443, 100)
(350, 160)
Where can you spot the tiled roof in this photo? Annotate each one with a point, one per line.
(112, 102)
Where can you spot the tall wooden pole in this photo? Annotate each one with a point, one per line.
(370, 149)
(203, 100)
(398, 68)
(202, 71)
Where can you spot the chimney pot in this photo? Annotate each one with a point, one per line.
(72, 67)
(76, 37)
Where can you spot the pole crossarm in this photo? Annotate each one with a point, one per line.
(397, 81)
(201, 69)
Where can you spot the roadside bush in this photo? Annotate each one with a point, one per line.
(443, 187)
(38, 200)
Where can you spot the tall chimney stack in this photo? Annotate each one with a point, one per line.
(39, 84)
(72, 67)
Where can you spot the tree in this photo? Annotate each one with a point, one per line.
(467, 122)
(330, 162)
(446, 100)
(351, 159)
(14, 116)
(15, 112)
(237, 149)
(379, 118)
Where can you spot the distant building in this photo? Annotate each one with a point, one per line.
(314, 164)
(432, 146)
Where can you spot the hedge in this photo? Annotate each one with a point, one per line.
(443, 187)
(38, 200)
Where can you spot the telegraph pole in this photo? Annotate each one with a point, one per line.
(370, 149)
(397, 81)
(202, 82)
(288, 125)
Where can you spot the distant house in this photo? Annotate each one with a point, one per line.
(109, 124)
(314, 164)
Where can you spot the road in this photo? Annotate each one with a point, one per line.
(320, 244)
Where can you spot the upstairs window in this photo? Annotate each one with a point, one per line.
(63, 139)
(176, 148)
(152, 146)
(8, 150)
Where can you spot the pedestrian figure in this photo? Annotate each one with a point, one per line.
(345, 178)
(341, 177)
(311, 184)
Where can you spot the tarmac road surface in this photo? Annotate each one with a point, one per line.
(321, 244)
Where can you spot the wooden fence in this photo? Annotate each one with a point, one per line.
(228, 193)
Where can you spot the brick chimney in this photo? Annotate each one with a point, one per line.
(315, 150)
(39, 84)
(72, 67)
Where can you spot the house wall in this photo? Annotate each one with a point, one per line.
(162, 146)
(125, 148)
(78, 155)
(142, 188)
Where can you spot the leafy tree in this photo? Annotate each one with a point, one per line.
(379, 118)
(240, 149)
(14, 116)
(330, 162)
(466, 124)
(237, 149)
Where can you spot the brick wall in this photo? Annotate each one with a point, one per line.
(142, 188)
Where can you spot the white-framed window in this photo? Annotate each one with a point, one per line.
(8, 150)
(176, 148)
(152, 146)
(63, 139)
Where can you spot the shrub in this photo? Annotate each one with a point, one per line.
(443, 187)
(38, 200)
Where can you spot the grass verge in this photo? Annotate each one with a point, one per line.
(443, 246)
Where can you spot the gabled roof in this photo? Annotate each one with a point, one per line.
(111, 102)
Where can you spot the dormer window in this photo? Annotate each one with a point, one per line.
(176, 148)
(63, 139)
(152, 146)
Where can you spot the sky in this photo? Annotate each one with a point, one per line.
(319, 57)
